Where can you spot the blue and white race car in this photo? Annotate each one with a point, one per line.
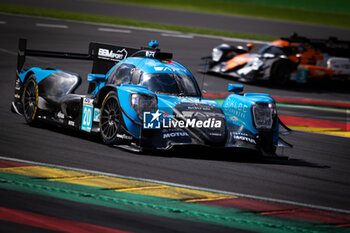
(140, 98)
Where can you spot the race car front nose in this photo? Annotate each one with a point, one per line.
(205, 121)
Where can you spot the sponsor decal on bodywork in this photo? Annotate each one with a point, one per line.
(237, 108)
(150, 53)
(186, 119)
(97, 115)
(243, 137)
(175, 134)
(86, 121)
(109, 54)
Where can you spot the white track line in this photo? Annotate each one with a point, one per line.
(51, 25)
(183, 186)
(8, 52)
(243, 40)
(142, 29)
(177, 35)
(113, 30)
(3, 22)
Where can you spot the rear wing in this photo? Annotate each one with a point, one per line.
(333, 46)
(103, 56)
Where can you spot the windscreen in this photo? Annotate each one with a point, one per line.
(271, 49)
(170, 83)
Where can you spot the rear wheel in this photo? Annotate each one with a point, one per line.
(30, 100)
(110, 118)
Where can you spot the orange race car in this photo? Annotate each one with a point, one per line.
(294, 58)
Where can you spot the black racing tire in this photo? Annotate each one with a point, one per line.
(280, 73)
(30, 99)
(110, 118)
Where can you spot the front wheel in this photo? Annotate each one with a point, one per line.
(280, 73)
(110, 118)
(30, 100)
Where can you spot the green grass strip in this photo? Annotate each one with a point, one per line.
(344, 110)
(219, 101)
(34, 11)
(242, 8)
(319, 5)
(227, 217)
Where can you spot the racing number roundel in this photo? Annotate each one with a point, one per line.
(86, 121)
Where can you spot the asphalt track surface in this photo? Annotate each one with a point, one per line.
(316, 173)
(96, 215)
(190, 19)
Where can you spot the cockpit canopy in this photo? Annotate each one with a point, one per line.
(167, 81)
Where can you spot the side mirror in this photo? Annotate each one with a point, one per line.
(250, 46)
(235, 88)
(96, 77)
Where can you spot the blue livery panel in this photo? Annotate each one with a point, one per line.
(40, 74)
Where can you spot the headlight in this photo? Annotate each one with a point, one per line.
(264, 114)
(216, 54)
(141, 103)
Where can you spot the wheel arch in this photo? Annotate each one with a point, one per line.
(103, 92)
(26, 77)
(285, 61)
(28, 74)
(288, 67)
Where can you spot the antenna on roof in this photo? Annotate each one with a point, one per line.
(154, 44)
